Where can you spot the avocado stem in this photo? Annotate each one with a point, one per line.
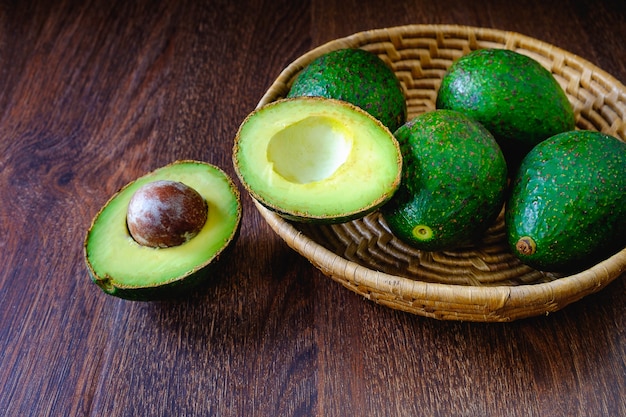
(422, 232)
(526, 246)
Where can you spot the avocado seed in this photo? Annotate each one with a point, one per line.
(165, 213)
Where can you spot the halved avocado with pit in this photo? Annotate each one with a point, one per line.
(317, 160)
(122, 267)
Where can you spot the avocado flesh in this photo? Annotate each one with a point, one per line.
(567, 209)
(317, 160)
(124, 268)
(453, 184)
(359, 77)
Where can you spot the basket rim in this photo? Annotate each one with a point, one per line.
(507, 38)
(595, 277)
(504, 300)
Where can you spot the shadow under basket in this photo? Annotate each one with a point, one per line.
(483, 282)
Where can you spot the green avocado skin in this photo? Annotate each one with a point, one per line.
(569, 197)
(359, 77)
(195, 281)
(454, 180)
(512, 95)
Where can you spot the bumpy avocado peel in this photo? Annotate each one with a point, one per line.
(518, 100)
(453, 182)
(359, 77)
(567, 208)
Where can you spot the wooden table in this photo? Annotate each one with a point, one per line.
(94, 94)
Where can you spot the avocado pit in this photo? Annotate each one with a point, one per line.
(165, 213)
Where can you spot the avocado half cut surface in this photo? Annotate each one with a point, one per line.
(317, 160)
(122, 267)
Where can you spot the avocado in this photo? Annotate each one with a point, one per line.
(512, 95)
(359, 77)
(317, 160)
(453, 182)
(567, 208)
(164, 265)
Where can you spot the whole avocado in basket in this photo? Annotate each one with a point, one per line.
(359, 77)
(453, 181)
(567, 208)
(518, 100)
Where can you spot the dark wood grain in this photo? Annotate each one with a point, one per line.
(94, 94)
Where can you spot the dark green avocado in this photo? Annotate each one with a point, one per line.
(567, 208)
(453, 181)
(358, 77)
(512, 95)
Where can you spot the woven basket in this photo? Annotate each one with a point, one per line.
(484, 282)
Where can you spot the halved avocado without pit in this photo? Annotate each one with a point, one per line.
(317, 160)
(125, 268)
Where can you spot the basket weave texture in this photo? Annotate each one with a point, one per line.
(482, 282)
